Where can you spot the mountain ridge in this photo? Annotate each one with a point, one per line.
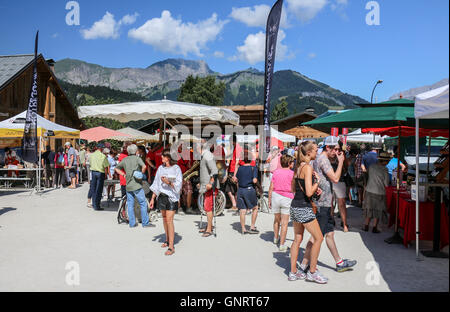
(164, 79)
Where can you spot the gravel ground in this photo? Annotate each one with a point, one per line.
(42, 237)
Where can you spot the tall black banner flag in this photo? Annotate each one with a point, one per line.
(273, 25)
(30, 141)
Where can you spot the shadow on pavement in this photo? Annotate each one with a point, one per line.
(267, 236)
(284, 260)
(397, 264)
(6, 210)
(162, 238)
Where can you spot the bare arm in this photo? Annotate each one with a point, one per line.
(335, 176)
(311, 189)
(270, 192)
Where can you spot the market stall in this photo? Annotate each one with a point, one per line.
(163, 110)
(431, 107)
(13, 128)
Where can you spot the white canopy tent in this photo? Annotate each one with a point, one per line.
(359, 137)
(163, 109)
(136, 135)
(285, 138)
(127, 112)
(433, 104)
(14, 127)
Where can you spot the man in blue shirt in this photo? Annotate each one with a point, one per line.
(392, 165)
(369, 158)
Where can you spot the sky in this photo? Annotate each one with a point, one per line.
(347, 44)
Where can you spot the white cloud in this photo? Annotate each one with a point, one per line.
(172, 35)
(256, 16)
(306, 10)
(129, 19)
(253, 50)
(219, 54)
(339, 7)
(312, 55)
(108, 27)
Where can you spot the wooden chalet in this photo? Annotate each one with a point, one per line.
(15, 85)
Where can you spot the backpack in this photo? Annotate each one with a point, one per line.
(61, 161)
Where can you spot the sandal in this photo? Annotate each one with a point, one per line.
(165, 245)
(169, 252)
(207, 234)
(203, 230)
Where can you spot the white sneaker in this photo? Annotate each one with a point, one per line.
(276, 240)
(283, 248)
(316, 277)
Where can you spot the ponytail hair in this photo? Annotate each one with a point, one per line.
(303, 150)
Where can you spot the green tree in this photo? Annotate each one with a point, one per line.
(280, 111)
(102, 122)
(202, 91)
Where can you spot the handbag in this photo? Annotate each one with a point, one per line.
(348, 181)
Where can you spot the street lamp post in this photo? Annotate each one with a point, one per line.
(378, 82)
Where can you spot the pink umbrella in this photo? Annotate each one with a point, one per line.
(99, 134)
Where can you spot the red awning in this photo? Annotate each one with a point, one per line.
(100, 134)
(407, 131)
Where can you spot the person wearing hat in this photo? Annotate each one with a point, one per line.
(374, 205)
(133, 168)
(99, 167)
(327, 176)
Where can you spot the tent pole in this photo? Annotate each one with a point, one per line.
(429, 155)
(417, 189)
(165, 121)
(38, 175)
(398, 178)
(396, 238)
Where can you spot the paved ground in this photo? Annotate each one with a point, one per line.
(40, 235)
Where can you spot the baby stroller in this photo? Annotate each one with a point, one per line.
(122, 216)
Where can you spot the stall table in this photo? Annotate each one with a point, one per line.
(407, 217)
(6, 183)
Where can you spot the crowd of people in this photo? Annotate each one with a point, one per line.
(307, 184)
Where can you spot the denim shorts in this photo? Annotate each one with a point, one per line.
(325, 219)
(246, 198)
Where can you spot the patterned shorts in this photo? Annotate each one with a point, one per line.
(187, 187)
(302, 214)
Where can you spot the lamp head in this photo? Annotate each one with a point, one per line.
(380, 81)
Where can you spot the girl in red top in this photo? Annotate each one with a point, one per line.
(61, 162)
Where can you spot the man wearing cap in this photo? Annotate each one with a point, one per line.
(72, 166)
(325, 218)
(132, 168)
(99, 167)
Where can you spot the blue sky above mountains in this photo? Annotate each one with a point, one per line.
(328, 40)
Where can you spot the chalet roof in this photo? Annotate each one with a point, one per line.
(12, 65)
(301, 117)
(303, 132)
